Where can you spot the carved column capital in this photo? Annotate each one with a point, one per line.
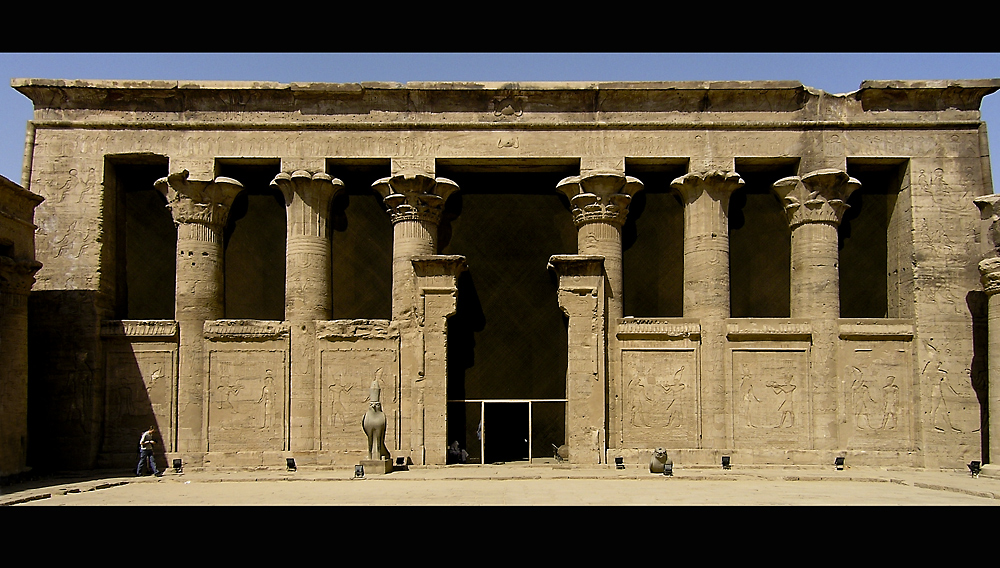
(17, 277)
(717, 183)
(600, 196)
(415, 196)
(202, 202)
(990, 275)
(988, 209)
(817, 197)
(313, 188)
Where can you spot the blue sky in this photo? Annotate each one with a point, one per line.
(831, 72)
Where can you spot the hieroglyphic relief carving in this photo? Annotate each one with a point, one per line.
(346, 376)
(139, 387)
(247, 399)
(769, 395)
(660, 394)
(875, 390)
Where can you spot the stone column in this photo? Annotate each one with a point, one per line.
(600, 203)
(307, 290)
(415, 201)
(814, 205)
(706, 288)
(583, 298)
(599, 199)
(16, 278)
(990, 271)
(200, 209)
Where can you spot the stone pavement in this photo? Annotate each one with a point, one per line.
(518, 484)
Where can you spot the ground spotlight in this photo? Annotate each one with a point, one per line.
(290, 464)
(619, 463)
(976, 468)
(668, 469)
(839, 462)
(359, 471)
(177, 465)
(726, 463)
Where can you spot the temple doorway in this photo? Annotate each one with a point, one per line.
(507, 342)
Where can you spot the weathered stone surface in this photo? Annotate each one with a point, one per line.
(898, 164)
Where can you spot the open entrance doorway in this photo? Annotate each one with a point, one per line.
(507, 342)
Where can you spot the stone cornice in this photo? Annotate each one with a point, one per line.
(787, 330)
(245, 329)
(139, 328)
(356, 329)
(494, 97)
(652, 328)
(879, 329)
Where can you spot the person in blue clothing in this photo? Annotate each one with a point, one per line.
(146, 459)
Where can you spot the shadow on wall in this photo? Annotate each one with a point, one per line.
(977, 302)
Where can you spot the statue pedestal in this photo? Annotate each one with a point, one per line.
(377, 467)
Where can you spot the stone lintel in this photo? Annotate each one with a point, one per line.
(885, 329)
(776, 329)
(243, 329)
(313, 164)
(654, 328)
(356, 329)
(139, 328)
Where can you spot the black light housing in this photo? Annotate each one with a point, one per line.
(359, 471)
(839, 462)
(177, 465)
(619, 463)
(726, 464)
(668, 469)
(290, 464)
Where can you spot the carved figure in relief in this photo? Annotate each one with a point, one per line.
(639, 401)
(671, 391)
(225, 399)
(939, 407)
(267, 399)
(337, 408)
(784, 410)
(750, 400)
(863, 403)
(889, 404)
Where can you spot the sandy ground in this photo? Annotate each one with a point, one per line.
(516, 484)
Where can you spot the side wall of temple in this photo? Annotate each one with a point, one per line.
(192, 270)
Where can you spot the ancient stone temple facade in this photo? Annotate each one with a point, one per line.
(17, 269)
(753, 269)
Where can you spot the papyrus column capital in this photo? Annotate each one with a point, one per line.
(989, 210)
(312, 188)
(600, 196)
(817, 197)
(415, 196)
(719, 185)
(203, 202)
(17, 277)
(989, 270)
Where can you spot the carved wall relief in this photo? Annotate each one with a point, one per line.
(140, 386)
(346, 375)
(770, 398)
(661, 397)
(248, 400)
(877, 389)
